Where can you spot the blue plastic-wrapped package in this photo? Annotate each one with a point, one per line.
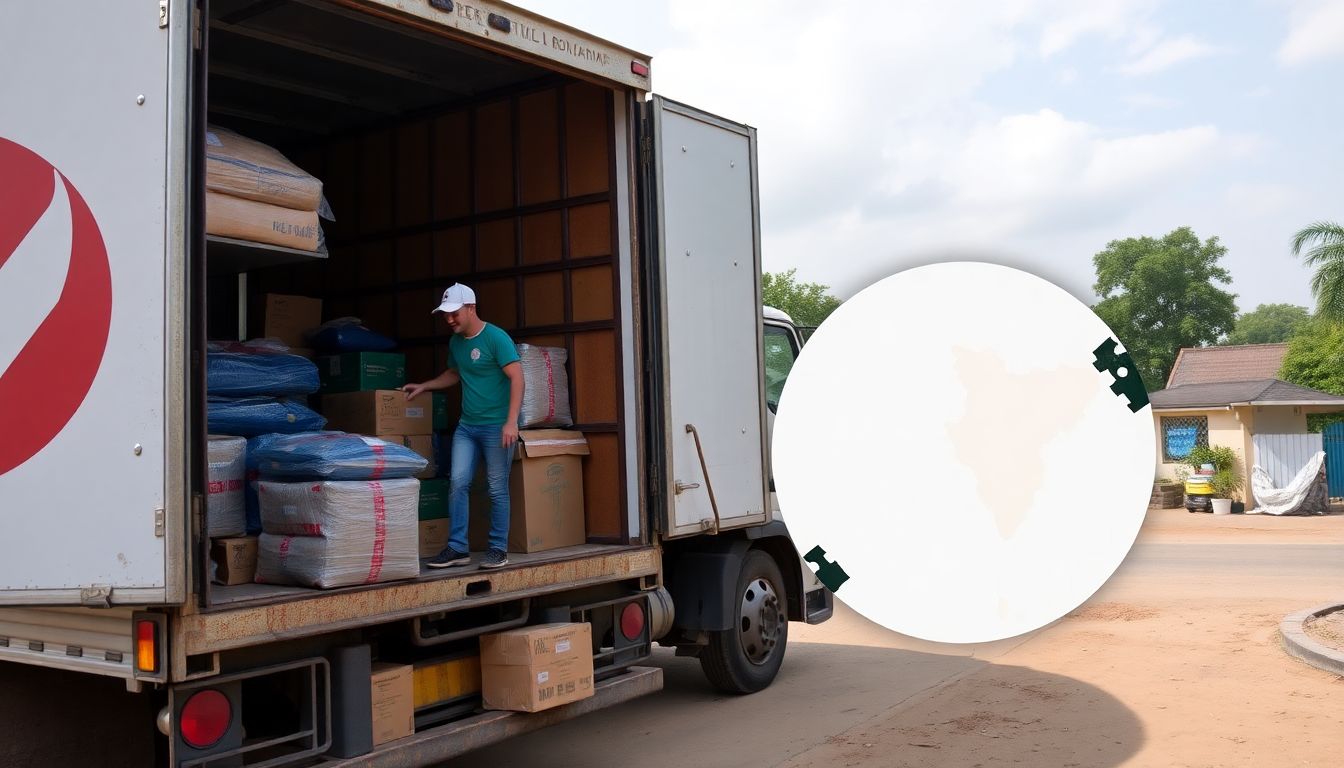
(335, 339)
(333, 456)
(230, 374)
(251, 416)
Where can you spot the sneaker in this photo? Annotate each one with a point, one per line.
(448, 558)
(494, 559)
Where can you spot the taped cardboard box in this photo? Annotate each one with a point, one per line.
(242, 167)
(423, 445)
(287, 318)
(392, 688)
(235, 559)
(433, 536)
(378, 412)
(536, 668)
(235, 217)
(545, 494)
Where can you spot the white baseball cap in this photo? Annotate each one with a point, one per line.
(455, 297)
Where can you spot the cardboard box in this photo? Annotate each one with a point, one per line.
(422, 445)
(288, 317)
(536, 668)
(545, 494)
(379, 412)
(235, 559)
(392, 688)
(433, 536)
(242, 219)
(434, 498)
(361, 371)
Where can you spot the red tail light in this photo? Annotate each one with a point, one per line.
(632, 621)
(147, 646)
(205, 718)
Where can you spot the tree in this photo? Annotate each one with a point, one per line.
(807, 303)
(1315, 357)
(1268, 324)
(1327, 256)
(1159, 296)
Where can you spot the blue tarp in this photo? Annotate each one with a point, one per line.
(231, 374)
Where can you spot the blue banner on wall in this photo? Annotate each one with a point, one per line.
(1181, 441)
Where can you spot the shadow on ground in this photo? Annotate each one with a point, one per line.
(844, 705)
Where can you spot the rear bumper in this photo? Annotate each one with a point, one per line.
(447, 741)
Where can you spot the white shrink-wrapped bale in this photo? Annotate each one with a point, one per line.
(546, 387)
(338, 532)
(225, 506)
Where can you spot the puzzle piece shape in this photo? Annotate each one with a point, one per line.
(831, 574)
(1128, 382)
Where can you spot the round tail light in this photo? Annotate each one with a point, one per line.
(205, 718)
(632, 621)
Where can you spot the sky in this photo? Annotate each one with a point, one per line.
(1028, 133)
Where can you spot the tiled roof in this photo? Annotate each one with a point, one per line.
(1207, 365)
(1258, 391)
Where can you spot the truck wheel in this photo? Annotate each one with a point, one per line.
(746, 657)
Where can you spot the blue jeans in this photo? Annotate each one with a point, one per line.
(469, 444)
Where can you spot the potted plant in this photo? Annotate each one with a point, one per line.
(1227, 480)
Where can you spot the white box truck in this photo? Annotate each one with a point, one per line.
(474, 142)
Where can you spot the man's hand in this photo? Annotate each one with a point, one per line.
(510, 435)
(413, 390)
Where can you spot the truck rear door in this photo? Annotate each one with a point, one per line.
(92, 263)
(702, 272)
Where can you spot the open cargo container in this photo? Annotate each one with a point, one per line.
(476, 143)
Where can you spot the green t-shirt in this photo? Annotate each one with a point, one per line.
(480, 362)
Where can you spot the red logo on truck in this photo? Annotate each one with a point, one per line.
(55, 329)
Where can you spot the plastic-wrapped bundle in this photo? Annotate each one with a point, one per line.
(347, 335)
(253, 416)
(546, 387)
(225, 510)
(334, 456)
(236, 375)
(239, 166)
(338, 532)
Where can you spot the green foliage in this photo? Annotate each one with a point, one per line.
(1317, 422)
(1268, 324)
(1326, 254)
(806, 303)
(1315, 357)
(1227, 480)
(1158, 295)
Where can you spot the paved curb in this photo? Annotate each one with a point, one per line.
(1298, 643)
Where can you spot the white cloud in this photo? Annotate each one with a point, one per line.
(1258, 200)
(1316, 32)
(1168, 53)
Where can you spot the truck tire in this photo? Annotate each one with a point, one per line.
(746, 658)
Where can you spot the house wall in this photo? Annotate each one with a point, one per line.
(1280, 420)
(1232, 428)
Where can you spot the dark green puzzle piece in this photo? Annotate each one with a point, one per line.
(831, 574)
(1128, 383)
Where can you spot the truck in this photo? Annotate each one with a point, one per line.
(477, 142)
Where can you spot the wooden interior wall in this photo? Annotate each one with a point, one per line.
(512, 196)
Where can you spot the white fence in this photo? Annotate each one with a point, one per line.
(1282, 456)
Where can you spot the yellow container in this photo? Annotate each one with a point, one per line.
(1198, 486)
(441, 680)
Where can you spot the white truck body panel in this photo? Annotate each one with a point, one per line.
(709, 252)
(92, 96)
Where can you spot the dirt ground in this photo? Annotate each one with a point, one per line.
(1175, 662)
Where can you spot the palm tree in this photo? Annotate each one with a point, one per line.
(1326, 239)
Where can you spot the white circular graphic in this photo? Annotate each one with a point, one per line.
(947, 440)
(475, 353)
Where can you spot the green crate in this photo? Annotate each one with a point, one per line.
(433, 499)
(361, 372)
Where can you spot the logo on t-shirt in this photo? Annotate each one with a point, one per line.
(475, 353)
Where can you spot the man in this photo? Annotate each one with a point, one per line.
(483, 358)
